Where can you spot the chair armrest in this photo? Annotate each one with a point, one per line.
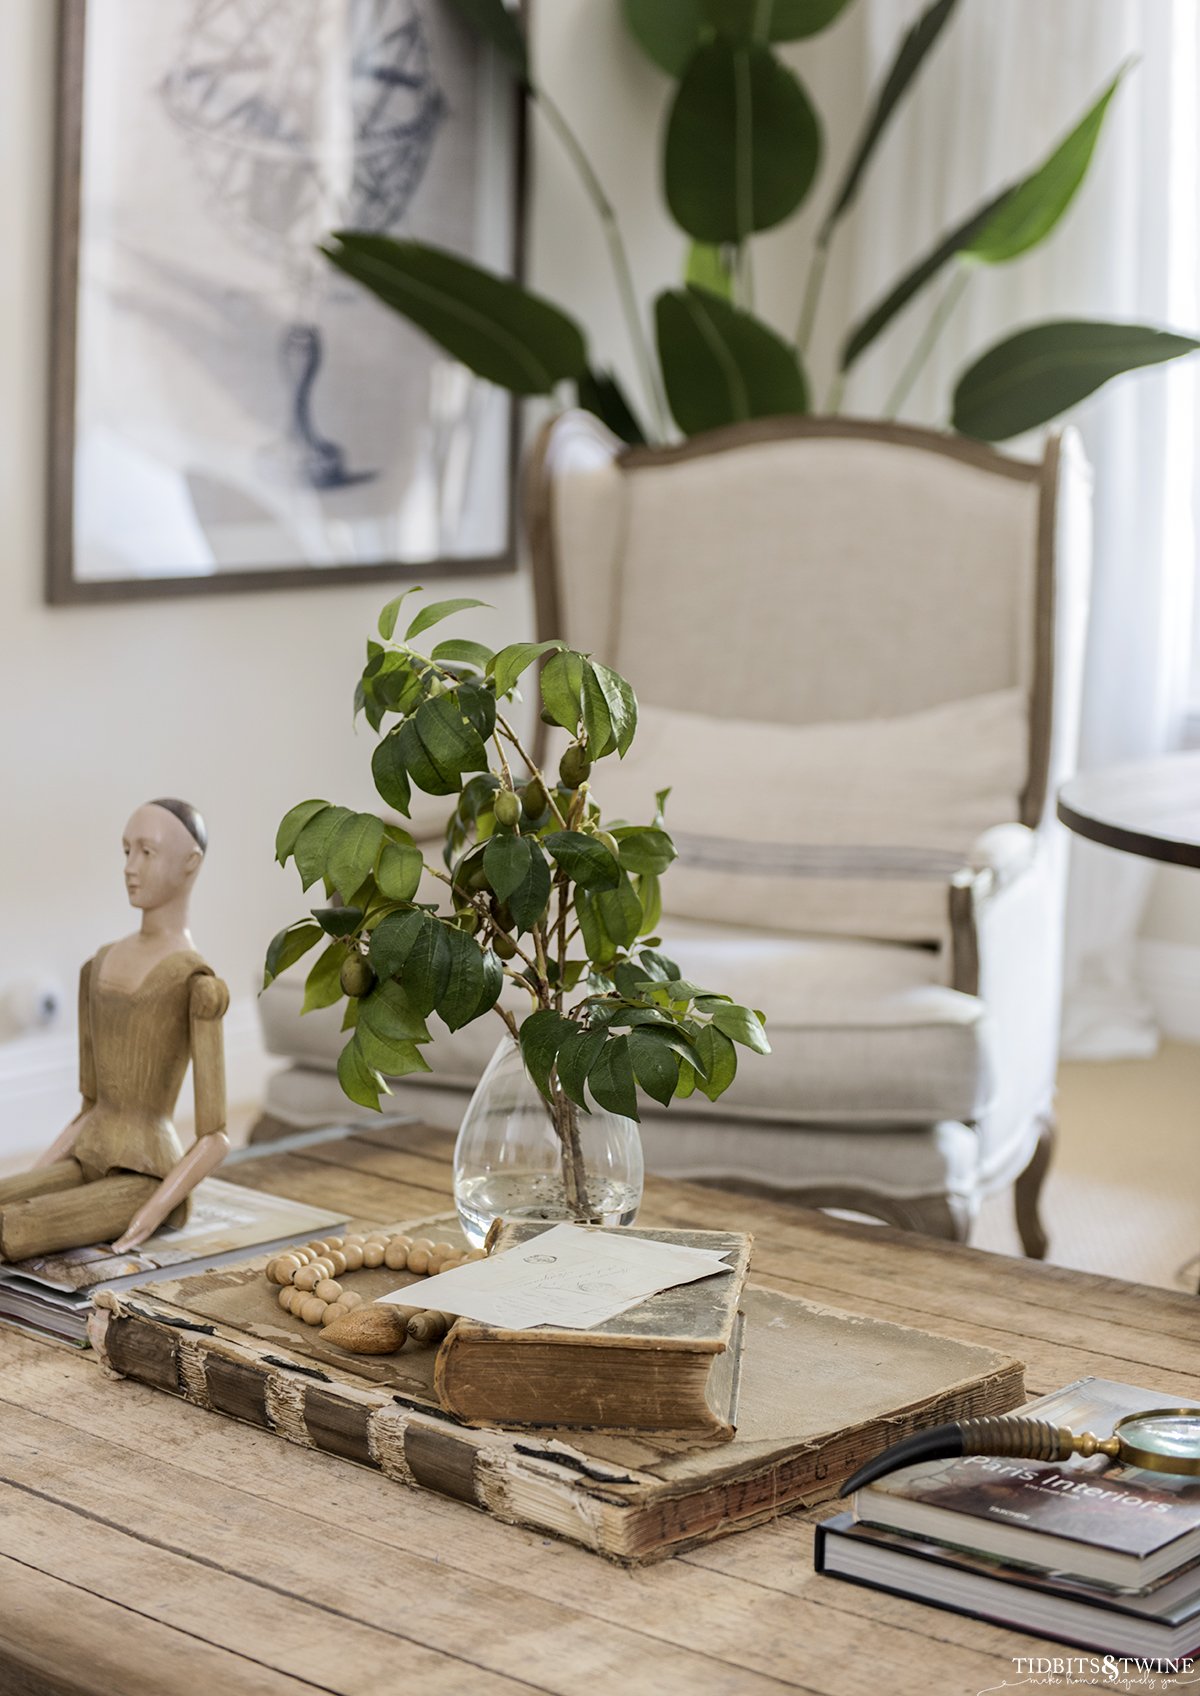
(997, 860)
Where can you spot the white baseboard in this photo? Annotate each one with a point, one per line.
(39, 1080)
(1169, 972)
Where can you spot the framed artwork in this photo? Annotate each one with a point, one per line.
(228, 411)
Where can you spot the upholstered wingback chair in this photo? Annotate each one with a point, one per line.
(857, 650)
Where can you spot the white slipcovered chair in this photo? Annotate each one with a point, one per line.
(857, 650)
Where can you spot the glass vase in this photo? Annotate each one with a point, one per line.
(519, 1156)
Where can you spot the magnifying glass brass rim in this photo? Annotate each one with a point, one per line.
(1132, 1453)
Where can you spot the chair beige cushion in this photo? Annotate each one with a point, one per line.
(853, 829)
(862, 1033)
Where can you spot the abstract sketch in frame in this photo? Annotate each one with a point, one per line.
(227, 412)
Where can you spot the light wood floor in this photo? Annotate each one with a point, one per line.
(1123, 1194)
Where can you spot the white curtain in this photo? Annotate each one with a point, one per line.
(1006, 81)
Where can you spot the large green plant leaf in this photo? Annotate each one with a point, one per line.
(708, 268)
(436, 611)
(874, 322)
(289, 945)
(721, 365)
(492, 325)
(313, 842)
(585, 860)
(910, 56)
(353, 851)
(1036, 205)
(1034, 375)
(291, 824)
(667, 31)
(322, 986)
(743, 143)
(390, 773)
(499, 24)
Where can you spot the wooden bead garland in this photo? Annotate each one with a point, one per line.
(310, 1290)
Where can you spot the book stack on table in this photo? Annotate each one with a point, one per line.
(1097, 1554)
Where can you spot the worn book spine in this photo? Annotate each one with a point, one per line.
(539, 1482)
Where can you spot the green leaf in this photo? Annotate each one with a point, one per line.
(707, 268)
(1035, 206)
(772, 20)
(489, 323)
(541, 1034)
(359, 1082)
(586, 861)
(458, 1003)
(577, 1054)
(451, 741)
(649, 893)
(1034, 375)
(620, 913)
(910, 56)
(350, 1016)
(390, 774)
(743, 1025)
(399, 871)
(721, 365)
(610, 1078)
(390, 1015)
(390, 1059)
(499, 24)
(411, 750)
(596, 940)
(426, 970)
(392, 940)
(322, 986)
(597, 723)
(873, 323)
(493, 983)
(353, 852)
(562, 688)
(644, 848)
(387, 618)
(719, 1058)
(506, 864)
(742, 144)
(657, 967)
(668, 31)
(339, 921)
(289, 945)
(655, 1065)
(599, 393)
(528, 902)
(510, 662)
(312, 844)
(292, 824)
(621, 702)
(468, 653)
(436, 611)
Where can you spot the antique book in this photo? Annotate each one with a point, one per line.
(1092, 1519)
(821, 1391)
(669, 1365)
(1161, 1623)
(52, 1295)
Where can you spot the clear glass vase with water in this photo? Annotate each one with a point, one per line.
(519, 1156)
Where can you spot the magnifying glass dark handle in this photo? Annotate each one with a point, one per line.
(1028, 1439)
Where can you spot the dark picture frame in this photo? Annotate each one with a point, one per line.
(64, 584)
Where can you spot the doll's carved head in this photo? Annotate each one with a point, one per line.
(164, 845)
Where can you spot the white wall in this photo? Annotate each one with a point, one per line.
(241, 703)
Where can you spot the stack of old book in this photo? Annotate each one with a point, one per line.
(1092, 1553)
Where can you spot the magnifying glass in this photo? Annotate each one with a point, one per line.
(1162, 1439)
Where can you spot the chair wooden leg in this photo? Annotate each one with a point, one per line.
(1027, 1192)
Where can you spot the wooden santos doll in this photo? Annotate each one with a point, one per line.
(147, 1004)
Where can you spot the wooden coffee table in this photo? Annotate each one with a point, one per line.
(148, 1548)
(1148, 807)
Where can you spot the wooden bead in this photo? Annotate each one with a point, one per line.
(373, 1254)
(424, 1242)
(418, 1258)
(395, 1255)
(333, 1242)
(338, 1261)
(380, 1237)
(285, 1298)
(354, 1240)
(328, 1290)
(443, 1251)
(401, 1238)
(352, 1254)
(307, 1278)
(449, 1265)
(477, 1254)
(320, 1246)
(427, 1326)
(286, 1266)
(351, 1299)
(313, 1311)
(335, 1310)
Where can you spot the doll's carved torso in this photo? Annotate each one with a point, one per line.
(134, 1051)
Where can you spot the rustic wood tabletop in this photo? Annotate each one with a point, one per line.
(149, 1548)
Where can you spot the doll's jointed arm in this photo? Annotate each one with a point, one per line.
(64, 1142)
